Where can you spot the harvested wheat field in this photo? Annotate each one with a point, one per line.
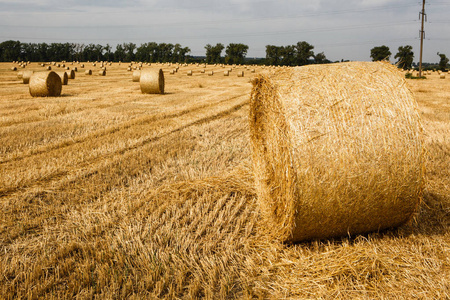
(109, 193)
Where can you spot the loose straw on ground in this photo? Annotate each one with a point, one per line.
(45, 84)
(337, 150)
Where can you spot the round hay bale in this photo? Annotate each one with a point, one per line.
(226, 73)
(19, 75)
(240, 74)
(152, 81)
(13, 69)
(49, 68)
(102, 73)
(129, 69)
(45, 84)
(75, 69)
(210, 73)
(67, 68)
(189, 73)
(252, 71)
(202, 71)
(70, 74)
(82, 66)
(136, 75)
(88, 72)
(337, 150)
(64, 77)
(442, 76)
(26, 76)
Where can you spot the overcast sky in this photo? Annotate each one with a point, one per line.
(340, 29)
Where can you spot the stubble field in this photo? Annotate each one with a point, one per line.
(109, 193)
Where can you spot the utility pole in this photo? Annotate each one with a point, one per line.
(422, 34)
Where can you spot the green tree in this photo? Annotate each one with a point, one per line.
(304, 51)
(380, 53)
(320, 58)
(405, 57)
(119, 54)
(10, 50)
(235, 53)
(443, 61)
(213, 53)
(129, 51)
(272, 55)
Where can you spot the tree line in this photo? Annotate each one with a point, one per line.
(405, 57)
(235, 53)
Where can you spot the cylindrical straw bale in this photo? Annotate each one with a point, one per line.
(13, 69)
(26, 76)
(45, 84)
(240, 74)
(75, 69)
(226, 73)
(152, 81)
(202, 71)
(337, 150)
(129, 69)
(442, 76)
(82, 66)
(70, 74)
(20, 75)
(64, 77)
(189, 73)
(210, 73)
(102, 73)
(88, 72)
(49, 68)
(136, 75)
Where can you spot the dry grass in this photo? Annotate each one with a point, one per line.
(109, 193)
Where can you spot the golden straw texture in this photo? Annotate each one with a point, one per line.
(64, 77)
(26, 76)
(152, 81)
(337, 150)
(136, 75)
(45, 84)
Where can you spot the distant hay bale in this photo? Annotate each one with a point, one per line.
(136, 75)
(189, 73)
(88, 72)
(252, 71)
(240, 74)
(129, 69)
(75, 69)
(337, 150)
(67, 68)
(82, 66)
(202, 71)
(13, 69)
(70, 74)
(45, 84)
(442, 76)
(172, 72)
(49, 68)
(19, 75)
(152, 81)
(102, 73)
(64, 77)
(26, 76)
(210, 73)
(226, 73)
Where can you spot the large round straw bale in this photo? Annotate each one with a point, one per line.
(70, 74)
(64, 77)
(45, 84)
(102, 73)
(136, 75)
(442, 76)
(337, 149)
(152, 81)
(88, 72)
(26, 76)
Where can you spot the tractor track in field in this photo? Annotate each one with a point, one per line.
(5, 192)
(111, 130)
